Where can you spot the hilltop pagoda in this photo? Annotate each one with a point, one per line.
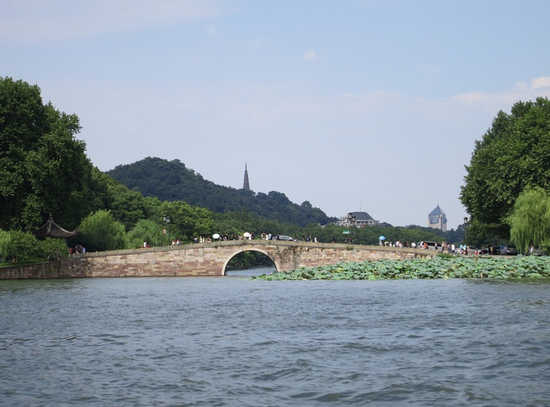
(246, 184)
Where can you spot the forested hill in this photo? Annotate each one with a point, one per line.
(172, 180)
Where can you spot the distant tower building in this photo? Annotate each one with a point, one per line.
(246, 184)
(437, 219)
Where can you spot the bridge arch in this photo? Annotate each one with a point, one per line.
(251, 249)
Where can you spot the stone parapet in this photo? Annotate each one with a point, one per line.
(204, 259)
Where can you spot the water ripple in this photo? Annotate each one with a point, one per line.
(237, 342)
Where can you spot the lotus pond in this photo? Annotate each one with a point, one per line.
(439, 267)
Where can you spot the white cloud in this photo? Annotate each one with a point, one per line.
(310, 55)
(541, 82)
(34, 21)
(495, 101)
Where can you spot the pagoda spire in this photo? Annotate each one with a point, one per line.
(246, 184)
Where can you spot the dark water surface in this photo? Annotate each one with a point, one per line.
(237, 342)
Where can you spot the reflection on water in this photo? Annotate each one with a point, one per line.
(242, 342)
(252, 272)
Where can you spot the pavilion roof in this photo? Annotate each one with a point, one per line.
(52, 229)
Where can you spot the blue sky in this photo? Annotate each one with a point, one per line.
(371, 105)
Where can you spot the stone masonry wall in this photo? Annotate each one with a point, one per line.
(207, 259)
(70, 268)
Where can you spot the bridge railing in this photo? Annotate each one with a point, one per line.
(260, 243)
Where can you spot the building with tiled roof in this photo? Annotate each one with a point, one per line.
(357, 219)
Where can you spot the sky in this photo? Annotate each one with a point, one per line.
(370, 105)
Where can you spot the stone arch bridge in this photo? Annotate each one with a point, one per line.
(210, 259)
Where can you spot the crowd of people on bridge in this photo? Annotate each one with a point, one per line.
(250, 236)
(442, 247)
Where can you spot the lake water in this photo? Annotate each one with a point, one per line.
(232, 341)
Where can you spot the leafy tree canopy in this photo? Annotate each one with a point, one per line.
(513, 153)
(184, 221)
(147, 231)
(101, 231)
(23, 247)
(43, 168)
(530, 220)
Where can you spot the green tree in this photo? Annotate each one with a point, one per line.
(512, 154)
(100, 231)
(43, 168)
(148, 231)
(479, 234)
(22, 247)
(530, 220)
(52, 249)
(127, 206)
(19, 247)
(184, 221)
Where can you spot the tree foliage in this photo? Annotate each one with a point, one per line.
(148, 231)
(43, 168)
(173, 181)
(23, 247)
(248, 259)
(530, 220)
(100, 231)
(234, 224)
(512, 154)
(53, 248)
(18, 247)
(184, 221)
(480, 234)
